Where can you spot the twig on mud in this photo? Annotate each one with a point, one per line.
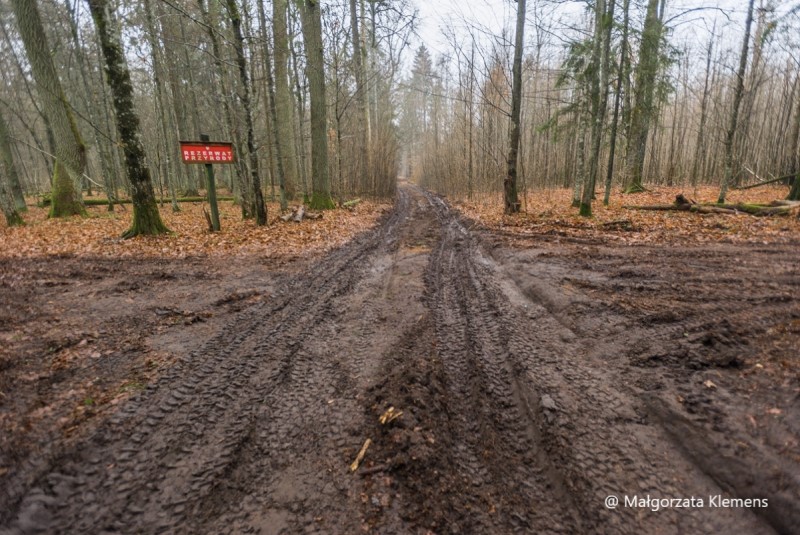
(360, 456)
(375, 469)
(390, 415)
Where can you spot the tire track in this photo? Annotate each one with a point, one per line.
(163, 461)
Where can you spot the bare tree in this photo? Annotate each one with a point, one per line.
(70, 152)
(285, 138)
(643, 110)
(512, 204)
(9, 175)
(315, 71)
(244, 97)
(146, 219)
(599, 94)
(737, 100)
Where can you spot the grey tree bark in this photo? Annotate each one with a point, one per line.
(700, 147)
(623, 66)
(315, 71)
(361, 96)
(13, 182)
(643, 108)
(737, 101)
(70, 152)
(244, 97)
(171, 160)
(284, 104)
(7, 178)
(273, 111)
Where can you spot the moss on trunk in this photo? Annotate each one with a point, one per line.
(63, 201)
(635, 187)
(146, 222)
(146, 219)
(70, 152)
(321, 201)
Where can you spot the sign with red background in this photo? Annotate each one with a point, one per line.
(210, 152)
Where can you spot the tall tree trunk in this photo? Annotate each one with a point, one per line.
(623, 62)
(315, 71)
(643, 108)
(161, 111)
(700, 145)
(70, 151)
(146, 219)
(48, 131)
(106, 160)
(244, 96)
(285, 138)
(11, 175)
(364, 153)
(273, 111)
(299, 109)
(510, 182)
(8, 202)
(737, 100)
(599, 81)
(221, 90)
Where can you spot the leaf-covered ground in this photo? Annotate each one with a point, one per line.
(99, 233)
(549, 212)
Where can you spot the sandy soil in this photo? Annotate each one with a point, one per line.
(536, 376)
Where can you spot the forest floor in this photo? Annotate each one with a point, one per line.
(526, 368)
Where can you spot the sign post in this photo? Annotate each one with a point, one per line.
(208, 153)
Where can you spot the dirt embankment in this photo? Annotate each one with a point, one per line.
(536, 377)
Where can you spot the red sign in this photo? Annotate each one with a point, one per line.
(209, 152)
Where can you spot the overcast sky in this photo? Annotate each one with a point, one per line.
(438, 17)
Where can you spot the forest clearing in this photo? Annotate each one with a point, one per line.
(400, 266)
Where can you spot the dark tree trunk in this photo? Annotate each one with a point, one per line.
(146, 219)
(644, 110)
(510, 182)
(8, 174)
(737, 101)
(599, 97)
(10, 169)
(210, 19)
(244, 96)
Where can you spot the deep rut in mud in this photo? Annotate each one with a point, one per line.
(512, 420)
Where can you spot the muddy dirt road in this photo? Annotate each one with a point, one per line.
(535, 380)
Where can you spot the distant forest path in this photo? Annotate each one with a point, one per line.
(533, 384)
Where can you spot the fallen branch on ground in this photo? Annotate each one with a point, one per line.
(299, 213)
(686, 205)
(772, 181)
(45, 202)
